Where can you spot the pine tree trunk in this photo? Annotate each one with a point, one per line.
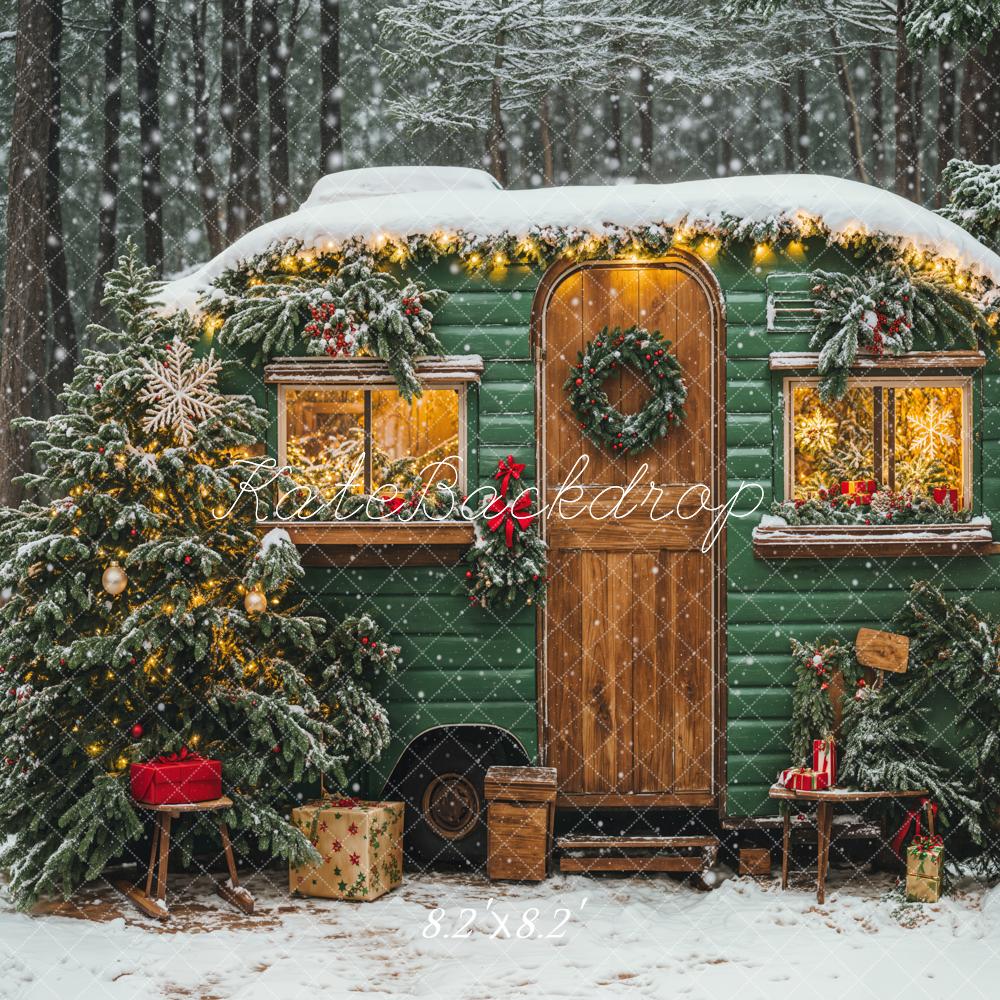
(233, 26)
(331, 138)
(63, 327)
(243, 212)
(617, 150)
(878, 114)
(645, 108)
(907, 172)
(496, 134)
(857, 153)
(946, 114)
(802, 128)
(545, 137)
(107, 214)
(147, 75)
(202, 168)
(23, 335)
(569, 130)
(993, 97)
(787, 132)
(279, 54)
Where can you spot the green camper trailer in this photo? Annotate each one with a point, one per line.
(657, 674)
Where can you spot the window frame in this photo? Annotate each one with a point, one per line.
(361, 386)
(885, 381)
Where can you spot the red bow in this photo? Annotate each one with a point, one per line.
(508, 515)
(508, 469)
(393, 503)
(174, 758)
(343, 803)
(912, 820)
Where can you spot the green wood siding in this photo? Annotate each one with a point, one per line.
(467, 666)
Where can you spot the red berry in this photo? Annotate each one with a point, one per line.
(579, 381)
(468, 574)
(364, 640)
(187, 560)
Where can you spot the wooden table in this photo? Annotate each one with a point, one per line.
(159, 858)
(826, 799)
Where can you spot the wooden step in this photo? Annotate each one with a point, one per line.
(583, 842)
(604, 853)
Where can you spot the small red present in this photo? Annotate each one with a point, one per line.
(802, 779)
(176, 779)
(946, 495)
(825, 759)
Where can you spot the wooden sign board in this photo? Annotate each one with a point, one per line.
(882, 650)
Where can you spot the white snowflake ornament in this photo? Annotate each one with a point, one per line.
(182, 391)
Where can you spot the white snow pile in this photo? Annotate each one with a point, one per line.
(360, 204)
(276, 536)
(570, 937)
(373, 182)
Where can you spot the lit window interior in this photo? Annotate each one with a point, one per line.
(903, 437)
(331, 432)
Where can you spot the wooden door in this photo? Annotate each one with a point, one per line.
(629, 626)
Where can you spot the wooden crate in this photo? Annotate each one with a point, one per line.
(520, 814)
(755, 861)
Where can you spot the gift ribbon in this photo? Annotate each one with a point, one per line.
(508, 469)
(508, 515)
(176, 758)
(912, 820)
(342, 803)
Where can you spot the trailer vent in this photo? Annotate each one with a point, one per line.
(789, 302)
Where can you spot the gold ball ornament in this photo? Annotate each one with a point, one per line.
(114, 579)
(255, 601)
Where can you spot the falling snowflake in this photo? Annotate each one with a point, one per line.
(182, 391)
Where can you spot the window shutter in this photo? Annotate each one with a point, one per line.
(789, 302)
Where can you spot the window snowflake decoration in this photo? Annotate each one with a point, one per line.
(182, 391)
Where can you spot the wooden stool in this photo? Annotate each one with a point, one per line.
(826, 799)
(520, 816)
(159, 858)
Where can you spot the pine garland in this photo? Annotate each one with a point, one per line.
(880, 310)
(812, 709)
(346, 307)
(891, 507)
(644, 352)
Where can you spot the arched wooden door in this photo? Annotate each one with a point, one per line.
(630, 622)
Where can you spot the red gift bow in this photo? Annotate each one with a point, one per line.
(393, 503)
(508, 469)
(510, 514)
(912, 820)
(344, 803)
(175, 758)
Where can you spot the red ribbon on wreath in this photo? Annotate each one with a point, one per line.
(912, 820)
(508, 469)
(510, 515)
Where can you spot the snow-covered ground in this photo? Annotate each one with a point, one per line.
(458, 937)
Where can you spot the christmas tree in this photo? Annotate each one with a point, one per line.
(144, 615)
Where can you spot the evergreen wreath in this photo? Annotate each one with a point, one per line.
(880, 310)
(646, 353)
(812, 710)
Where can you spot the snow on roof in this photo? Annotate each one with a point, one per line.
(844, 207)
(371, 182)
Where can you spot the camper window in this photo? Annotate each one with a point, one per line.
(369, 438)
(904, 433)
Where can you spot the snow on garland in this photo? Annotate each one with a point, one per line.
(647, 354)
(879, 310)
(509, 556)
(340, 306)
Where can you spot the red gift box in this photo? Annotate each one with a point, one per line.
(176, 779)
(802, 779)
(946, 495)
(858, 491)
(825, 760)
